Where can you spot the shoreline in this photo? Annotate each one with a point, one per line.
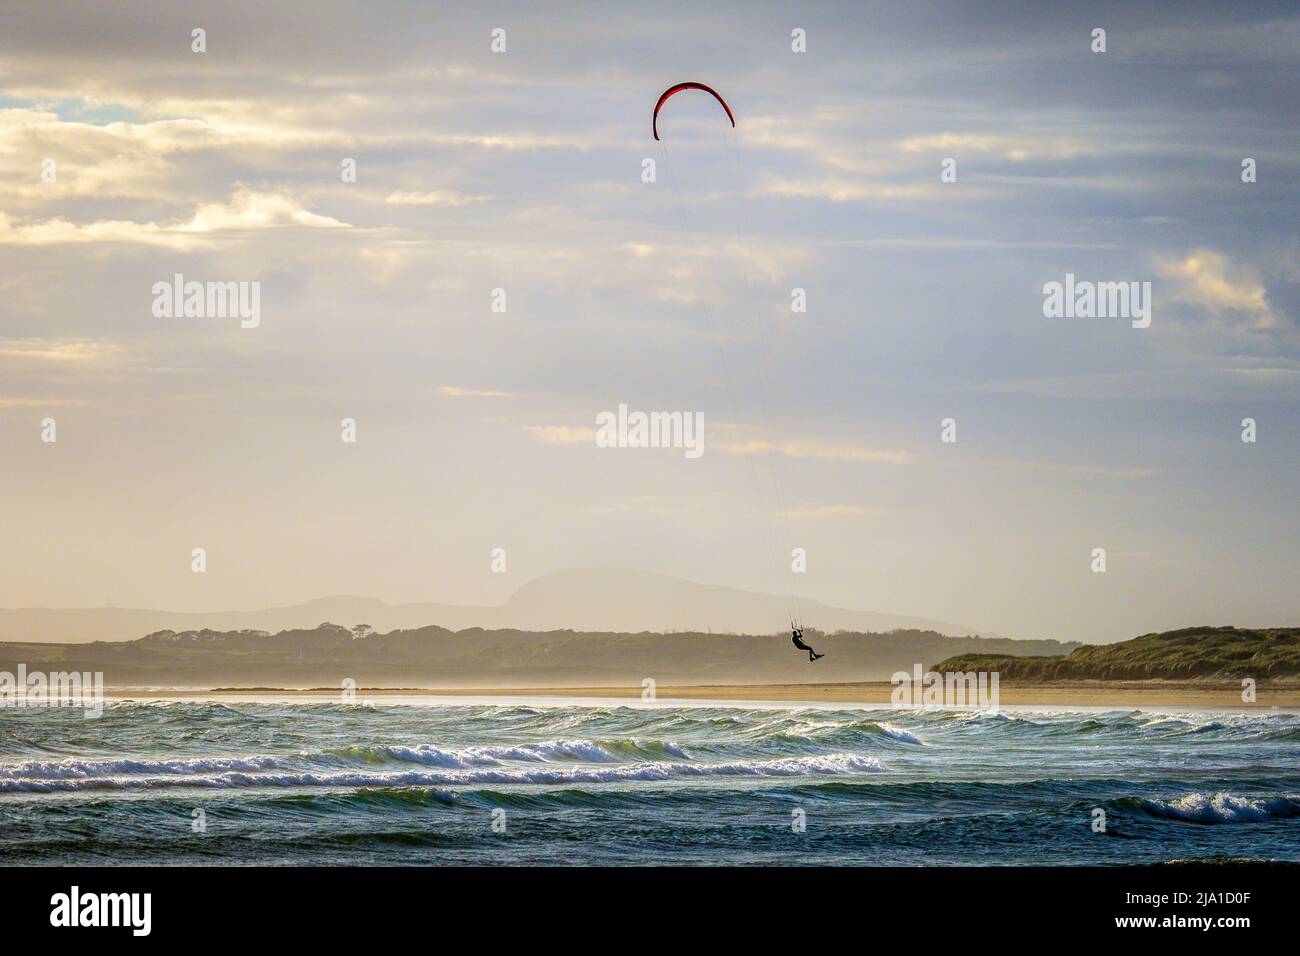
(1076, 693)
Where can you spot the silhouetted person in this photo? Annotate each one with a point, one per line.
(796, 637)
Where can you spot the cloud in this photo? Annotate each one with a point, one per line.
(1251, 378)
(38, 402)
(562, 434)
(247, 210)
(1015, 148)
(1208, 279)
(453, 391)
(823, 451)
(57, 350)
(433, 197)
(522, 171)
(840, 190)
(89, 161)
(145, 160)
(578, 435)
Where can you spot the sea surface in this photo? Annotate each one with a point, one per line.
(559, 782)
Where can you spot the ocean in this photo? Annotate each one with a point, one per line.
(531, 782)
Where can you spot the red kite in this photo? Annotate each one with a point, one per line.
(654, 122)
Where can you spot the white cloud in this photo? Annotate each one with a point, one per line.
(562, 434)
(246, 210)
(1226, 290)
(433, 197)
(841, 190)
(820, 450)
(1019, 148)
(57, 350)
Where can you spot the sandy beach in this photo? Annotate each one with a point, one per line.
(1118, 694)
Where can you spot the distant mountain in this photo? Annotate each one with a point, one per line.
(1192, 652)
(327, 655)
(618, 600)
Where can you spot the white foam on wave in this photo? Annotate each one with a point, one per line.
(899, 734)
(815, 729)
(1240, 725)
(1224, 807)
(828, 764)
(591, 751)
(88, 769)
(544, 751)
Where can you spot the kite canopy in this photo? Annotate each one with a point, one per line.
(654, 123)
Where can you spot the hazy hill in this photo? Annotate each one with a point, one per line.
(438, 657)
(582, 599)
(1188, 653)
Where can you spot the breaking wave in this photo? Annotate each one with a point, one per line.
(1223, 807)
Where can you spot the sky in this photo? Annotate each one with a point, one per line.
(523, 171)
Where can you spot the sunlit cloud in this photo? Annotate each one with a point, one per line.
(1227, 290)
(433, 197)
(848, 190)
(452, 391)
(1016, 148)
(246, 210)
(58, 350)
(562, 434)
(39, 403)
(823, 451)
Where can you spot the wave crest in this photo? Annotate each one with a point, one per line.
(830, 764)
(1223, 807)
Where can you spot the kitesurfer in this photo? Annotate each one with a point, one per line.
(796, 637)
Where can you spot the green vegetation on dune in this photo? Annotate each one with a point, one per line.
(437, 656)
(1193, 652)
